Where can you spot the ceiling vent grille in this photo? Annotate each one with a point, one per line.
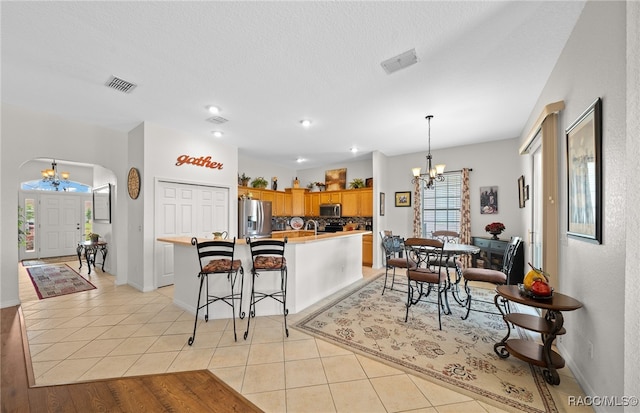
(400, 61)
(120, 85)
(217, 120)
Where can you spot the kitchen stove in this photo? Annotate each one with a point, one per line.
(332, 227)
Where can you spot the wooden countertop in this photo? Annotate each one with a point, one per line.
(295, 240)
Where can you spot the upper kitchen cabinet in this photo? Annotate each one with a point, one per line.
(357, 203)
(312, 204)
(331, 197)
(297, 200)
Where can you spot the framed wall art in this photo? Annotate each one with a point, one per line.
(403, 199)
(584, 174)
(488, 199)
(522, 196)
(335, 179)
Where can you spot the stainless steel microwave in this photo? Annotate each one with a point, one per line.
(330, 210)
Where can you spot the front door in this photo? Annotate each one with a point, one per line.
(61, 221)
(185, 210)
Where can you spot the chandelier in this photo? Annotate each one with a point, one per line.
(433, 173)
(52, 177)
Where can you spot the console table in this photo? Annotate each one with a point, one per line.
(549, 326)
(91, 249)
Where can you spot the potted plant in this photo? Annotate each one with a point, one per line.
(93, 237)
(356, 183)
(321, 186)
(259, 183)
(244, 179)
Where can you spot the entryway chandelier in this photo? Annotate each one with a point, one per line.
(433, 173)
(52, 177)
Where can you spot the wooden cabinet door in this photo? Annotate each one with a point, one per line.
(297, 201)
(330, 197)
(279, 207)
(366, 203)
(367, 250)
(267, 195)
(287, 205)
(350, 204)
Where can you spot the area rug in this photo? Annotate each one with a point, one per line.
(459, 357)
(49, 260)
(55, 280)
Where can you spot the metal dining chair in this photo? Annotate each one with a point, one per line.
(393, 246)
(216, 258)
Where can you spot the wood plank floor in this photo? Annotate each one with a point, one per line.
(192, 391)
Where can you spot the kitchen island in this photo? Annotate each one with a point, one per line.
(318, 266)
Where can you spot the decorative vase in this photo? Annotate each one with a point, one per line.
(495, 234)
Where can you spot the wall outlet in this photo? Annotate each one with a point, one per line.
(590, 349)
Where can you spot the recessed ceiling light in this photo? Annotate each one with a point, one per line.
(300, 160)
(353, 149)
(305, 123)
(217, 133)
(213, 109)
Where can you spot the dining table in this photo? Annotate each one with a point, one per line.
(453, 250)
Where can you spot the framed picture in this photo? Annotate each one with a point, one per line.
(382, 199)
(489, 199)
(584, 174)
(403, 199)
(102, 203)
(335, 179)
(522, 196)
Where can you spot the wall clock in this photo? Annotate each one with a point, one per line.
(133, 183)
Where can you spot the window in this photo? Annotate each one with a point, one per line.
(441, 205)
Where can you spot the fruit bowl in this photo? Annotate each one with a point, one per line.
(528, 293)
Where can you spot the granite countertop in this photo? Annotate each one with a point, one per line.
(294, 240)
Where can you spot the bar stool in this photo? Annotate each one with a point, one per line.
(216, 258)
(267, 255)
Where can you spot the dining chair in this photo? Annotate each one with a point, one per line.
(420, 253)
(393, 246)
(267, 254)
(496, 277)
(451, 261)
(216, 258)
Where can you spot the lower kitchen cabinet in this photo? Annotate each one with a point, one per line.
(367, 250)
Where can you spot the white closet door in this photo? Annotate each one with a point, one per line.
(184, 210)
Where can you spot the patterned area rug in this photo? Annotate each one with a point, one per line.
(460, 356)
(55, 280)
(50, 260)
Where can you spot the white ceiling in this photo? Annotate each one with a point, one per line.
(267, 65)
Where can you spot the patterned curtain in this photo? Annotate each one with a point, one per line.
(465, 217)
(417, 207)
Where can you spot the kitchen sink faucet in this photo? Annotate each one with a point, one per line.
(315, 226)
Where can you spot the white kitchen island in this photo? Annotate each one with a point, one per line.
(318, 266)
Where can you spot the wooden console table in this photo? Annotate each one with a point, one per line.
(549, 326)
(91, 249)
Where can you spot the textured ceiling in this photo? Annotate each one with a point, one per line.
(267, 65)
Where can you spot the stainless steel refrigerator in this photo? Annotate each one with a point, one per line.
(254, 218)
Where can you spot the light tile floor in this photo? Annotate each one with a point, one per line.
(116, 331)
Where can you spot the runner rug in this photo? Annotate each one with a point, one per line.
(459, 357)
(55, 280)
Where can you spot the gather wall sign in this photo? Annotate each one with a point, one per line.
(203, 161)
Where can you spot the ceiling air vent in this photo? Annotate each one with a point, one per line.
(217, 120)
(400, 61)
(120, 85)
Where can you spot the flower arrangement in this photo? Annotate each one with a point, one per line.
(93, 237)
(320, 185)
(495, 227)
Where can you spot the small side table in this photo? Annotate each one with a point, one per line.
(91, 249)
(549, 326)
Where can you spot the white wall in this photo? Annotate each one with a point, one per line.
(494, 164)
(592, 65)
(27, 135)
(257, 167)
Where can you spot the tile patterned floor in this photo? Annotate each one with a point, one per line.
(116, 331)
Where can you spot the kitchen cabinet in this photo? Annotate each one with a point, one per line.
(357, 203)
(367, 250)
(330, 197)
(280, 201)
(280, 205)
(297, 200)
(312, 204)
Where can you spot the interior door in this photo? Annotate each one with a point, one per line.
(185, 210)
(61, 218)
